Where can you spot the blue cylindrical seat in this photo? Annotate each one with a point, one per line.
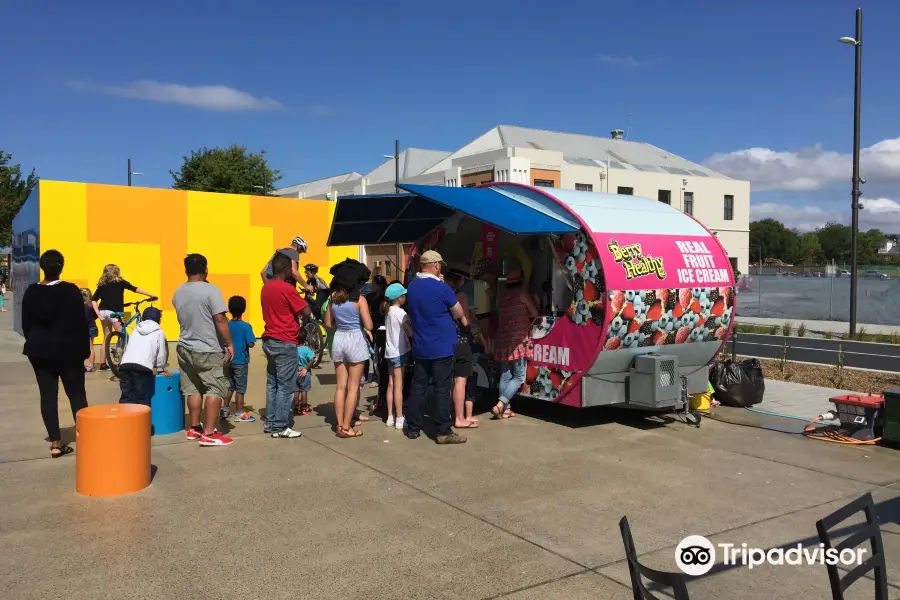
(167, 405)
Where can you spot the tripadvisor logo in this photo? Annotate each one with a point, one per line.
(695, 555)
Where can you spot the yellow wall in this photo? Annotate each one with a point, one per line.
(148, 232)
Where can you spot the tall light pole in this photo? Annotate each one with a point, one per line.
(759, 277)
(857, 42)
(130, 172)
(396, 158)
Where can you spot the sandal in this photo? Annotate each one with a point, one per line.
(346, 433)
(498, 413)
(508, 414)
(305, 409)
(63, 451)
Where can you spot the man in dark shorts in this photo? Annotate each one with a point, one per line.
(204, 349)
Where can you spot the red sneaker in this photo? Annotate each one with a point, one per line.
(194, 435)
(215, 439)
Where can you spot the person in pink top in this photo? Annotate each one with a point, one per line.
(512, 343)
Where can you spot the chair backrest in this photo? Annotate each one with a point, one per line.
(676, 581)
(868, 532)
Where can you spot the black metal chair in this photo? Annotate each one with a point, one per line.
(676, 581)
(868, 532)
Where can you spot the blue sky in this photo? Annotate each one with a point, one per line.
(763, 90)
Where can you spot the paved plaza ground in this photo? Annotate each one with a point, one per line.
(528, 509)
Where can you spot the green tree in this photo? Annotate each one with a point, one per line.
(868, 244)
(834, 239)
(773, 239)
(230, 170)
(808, 251)
(14, 190)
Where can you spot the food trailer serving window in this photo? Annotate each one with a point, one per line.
(408, 217)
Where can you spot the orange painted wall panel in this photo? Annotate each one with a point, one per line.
(149, 231)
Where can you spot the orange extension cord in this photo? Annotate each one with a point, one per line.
(829, 433)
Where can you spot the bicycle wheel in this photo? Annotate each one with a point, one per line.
(315, 341)
(115, 348)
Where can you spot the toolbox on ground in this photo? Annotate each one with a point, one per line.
(859, 415)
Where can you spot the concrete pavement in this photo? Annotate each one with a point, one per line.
(796, 399)
(528, 509)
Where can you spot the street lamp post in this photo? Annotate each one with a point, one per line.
(261, 187)
(396, 158)
(857, 42)
(759, 278)
(397, 189)
(130, 172)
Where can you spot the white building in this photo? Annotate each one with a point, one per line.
(570, 161)
(891, 246)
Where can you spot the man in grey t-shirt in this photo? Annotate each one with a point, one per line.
(204, 350)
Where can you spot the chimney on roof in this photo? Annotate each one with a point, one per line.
(617, 134)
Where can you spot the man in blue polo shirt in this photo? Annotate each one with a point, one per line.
(432, 308)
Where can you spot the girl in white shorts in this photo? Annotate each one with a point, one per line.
(349, 351)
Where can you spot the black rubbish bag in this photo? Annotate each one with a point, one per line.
(738, 383)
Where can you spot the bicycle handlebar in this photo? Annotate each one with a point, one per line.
(138, 302)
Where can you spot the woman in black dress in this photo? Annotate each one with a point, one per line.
(56, 344)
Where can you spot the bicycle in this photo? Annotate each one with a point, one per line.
(115, 341)
(316, 336)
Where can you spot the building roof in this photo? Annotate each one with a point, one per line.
(581, 149)
(317, 187)
(413, 161)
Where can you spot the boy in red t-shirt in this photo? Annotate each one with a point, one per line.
(282, 307)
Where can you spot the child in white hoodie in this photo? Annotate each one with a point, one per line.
(146, 350)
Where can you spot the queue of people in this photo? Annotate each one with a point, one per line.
(431, 325)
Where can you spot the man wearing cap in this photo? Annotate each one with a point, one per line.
(432, 308)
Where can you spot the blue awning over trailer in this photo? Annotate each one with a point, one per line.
(408, 217)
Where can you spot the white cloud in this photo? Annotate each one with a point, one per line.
(808, 168)
(624, 61)
(877, 213)
(320, 110)
(207, 97)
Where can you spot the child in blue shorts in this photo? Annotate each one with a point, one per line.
(243, 338)
(303, 383)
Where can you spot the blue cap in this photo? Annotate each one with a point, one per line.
(151, 313)
(394, 291)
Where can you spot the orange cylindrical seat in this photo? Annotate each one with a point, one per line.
(112, 449)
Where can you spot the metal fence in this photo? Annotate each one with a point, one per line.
(890, 270)
(820, 298)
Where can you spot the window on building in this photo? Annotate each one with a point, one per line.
(664, 196)
(627, 191)
(729, 208)
(584, 187)
(689, 203)
(543, 183)
(733, 262)
(387, 268)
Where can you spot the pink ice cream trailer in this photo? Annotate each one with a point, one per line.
(635, 297)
